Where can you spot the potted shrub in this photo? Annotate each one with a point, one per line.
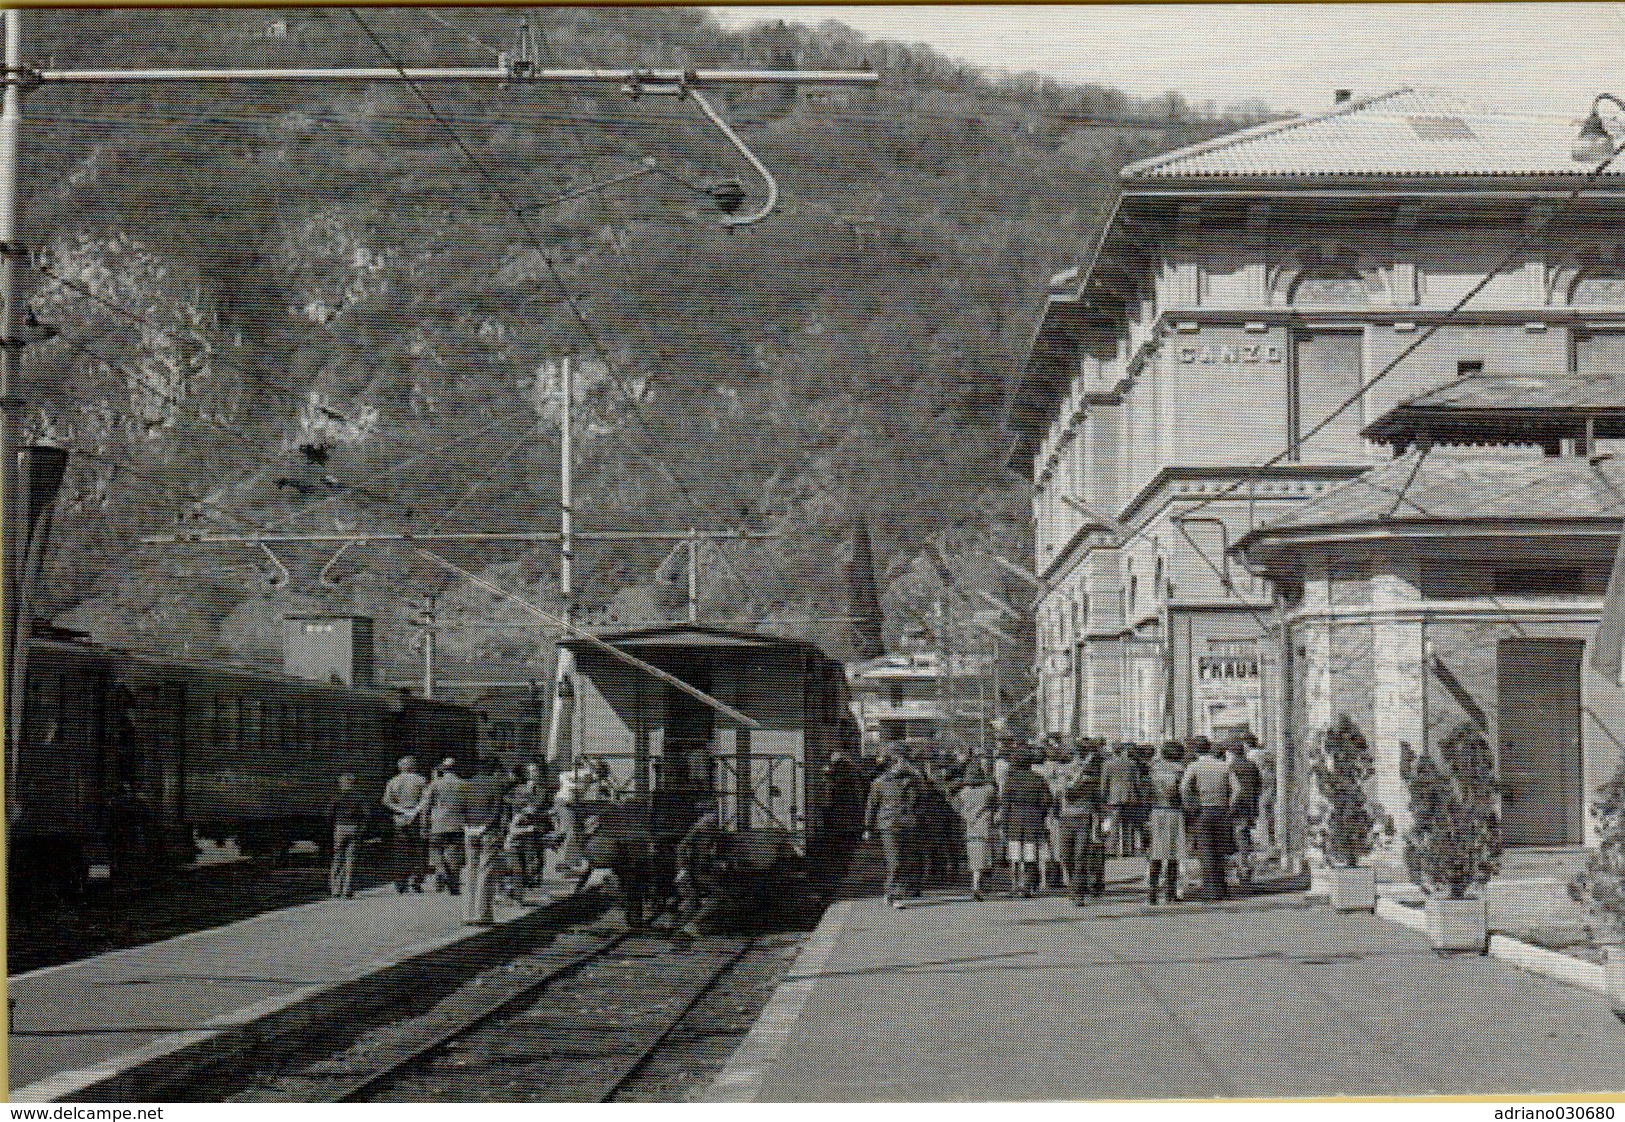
(1601, 885)
(1348, 824)
(1453, 847)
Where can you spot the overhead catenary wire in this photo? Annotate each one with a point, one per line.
(661, 350)
(335, 414)
(666, 470)
(632, 399)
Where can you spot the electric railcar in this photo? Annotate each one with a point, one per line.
(769, 784)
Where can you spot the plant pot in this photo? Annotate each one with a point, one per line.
(1457, 926)
(1353, 890)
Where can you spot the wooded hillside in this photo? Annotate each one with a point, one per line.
(343, 307)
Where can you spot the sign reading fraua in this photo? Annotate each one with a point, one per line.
(1230, 353)
(1229, 697)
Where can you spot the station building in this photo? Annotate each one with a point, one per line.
(1225, 544)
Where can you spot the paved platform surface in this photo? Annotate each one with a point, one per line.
(953, 1000)
(82, 1020)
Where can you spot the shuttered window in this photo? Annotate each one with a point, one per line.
(1326, 372)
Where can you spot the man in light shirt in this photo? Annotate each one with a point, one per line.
(409, 850)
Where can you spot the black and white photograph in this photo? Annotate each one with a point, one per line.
(1018, 554)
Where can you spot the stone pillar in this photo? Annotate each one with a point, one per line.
(1104, 683)
(1399, 711)
(1314, 639)
(1315, 636)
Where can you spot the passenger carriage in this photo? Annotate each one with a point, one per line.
(125, 750)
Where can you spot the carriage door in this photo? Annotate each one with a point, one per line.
(686, 749)
(1539, 758)
(160, 774)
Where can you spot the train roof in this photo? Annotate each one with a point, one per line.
(77, 644)
(693, 636)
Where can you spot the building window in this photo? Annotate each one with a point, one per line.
(894, 694)
(1327, 371)
(1339, 287)
(1467, 367)
(1599, 354)
(1537, 582)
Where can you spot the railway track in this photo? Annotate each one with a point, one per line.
(575, 1022)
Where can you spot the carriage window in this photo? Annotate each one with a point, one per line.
(1537, 582)
(251, 728)
(43, 712)
(226, 722)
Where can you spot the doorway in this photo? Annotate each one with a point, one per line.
(1539, 758)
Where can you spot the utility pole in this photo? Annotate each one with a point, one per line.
(942, 666)
(11, 505)
(981, 715)
(564, 672)
(429, 630)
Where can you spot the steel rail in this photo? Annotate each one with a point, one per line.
(630, 1070)
(352, 1089)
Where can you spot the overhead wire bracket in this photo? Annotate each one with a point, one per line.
(324, 577)
(729, 195)
(281, 576)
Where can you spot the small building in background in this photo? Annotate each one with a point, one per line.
(919, 697)
(333, 649)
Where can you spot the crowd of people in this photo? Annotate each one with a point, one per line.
(464, 831)
(1052, 812)
(483, 831)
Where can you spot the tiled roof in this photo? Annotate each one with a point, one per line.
(1513, 404)
(1524, 391)
(1404, 133)
(1460, 485)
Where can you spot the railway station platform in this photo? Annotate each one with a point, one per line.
(1268, 996)
(80, 1023)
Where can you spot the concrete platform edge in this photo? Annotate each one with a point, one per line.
(741, 1078)
(1525, 956)
(1548, 964)
(178, 1056)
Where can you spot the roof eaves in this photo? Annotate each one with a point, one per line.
(1284, 536)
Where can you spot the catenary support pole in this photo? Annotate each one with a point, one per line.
(564, 666)
(11, 504)
(429, 621)
(512, 70)
(693, 576)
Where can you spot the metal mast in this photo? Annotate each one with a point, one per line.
(564, 666)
